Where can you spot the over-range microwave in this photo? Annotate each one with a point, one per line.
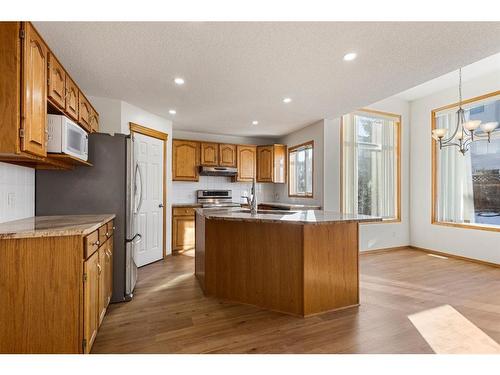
(66, 137)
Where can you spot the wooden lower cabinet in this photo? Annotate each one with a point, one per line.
(183, 231)
(54, 292)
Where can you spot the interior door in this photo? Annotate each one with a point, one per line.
(148, 154)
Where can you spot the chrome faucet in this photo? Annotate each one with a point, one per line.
(252, 199)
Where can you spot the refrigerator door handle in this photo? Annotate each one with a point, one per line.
(142, 188)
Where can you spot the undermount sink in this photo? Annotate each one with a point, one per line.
(270, 212)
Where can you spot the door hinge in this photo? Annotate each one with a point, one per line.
(84, 345)
(22, 33)
(21, 132)
(84, 277)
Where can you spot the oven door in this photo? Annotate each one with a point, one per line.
(74, 140)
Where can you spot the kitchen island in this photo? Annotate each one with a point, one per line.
(300, 263)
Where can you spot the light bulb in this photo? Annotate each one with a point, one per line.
(439, 133)
(472, 125)
(489, 127)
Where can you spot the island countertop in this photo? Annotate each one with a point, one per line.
(298, 217)
(50, 226)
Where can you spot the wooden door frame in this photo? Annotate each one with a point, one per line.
(136, 128)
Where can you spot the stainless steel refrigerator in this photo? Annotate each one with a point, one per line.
(112, 185)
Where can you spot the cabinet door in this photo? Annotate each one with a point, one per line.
(91, 300)
(34, 93)
(246, 158)
(265, 158)
(185, 160)
(94, 121)
(279, 155)
(209, 154)
(84, 111)
(109, 271)
(227, 155)
(57, 82)
(183, 233)
(71, 98)
(102, 254)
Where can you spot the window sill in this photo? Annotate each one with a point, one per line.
(300, 196)
(486, 227)
(384, 221)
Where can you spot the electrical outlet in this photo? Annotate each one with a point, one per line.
(11, 200)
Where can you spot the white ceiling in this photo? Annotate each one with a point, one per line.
(237, 72)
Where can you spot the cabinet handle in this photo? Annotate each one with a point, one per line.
(99, 269)
(97, 243)
(107, 234)
(114, 227)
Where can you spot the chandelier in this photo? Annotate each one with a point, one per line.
(465, 131)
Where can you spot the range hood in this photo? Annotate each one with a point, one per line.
(218, 171)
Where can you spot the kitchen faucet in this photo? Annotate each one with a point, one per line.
(252, 199)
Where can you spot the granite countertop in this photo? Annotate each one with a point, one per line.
(298, 217)
(186, 205)
(51, 226)
(292, 206)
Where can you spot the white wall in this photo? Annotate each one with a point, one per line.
(471, 243)
(17, 192)
(185, 191)
(313, 132)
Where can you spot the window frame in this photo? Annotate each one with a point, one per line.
(399, 124)
(434, 169)
(295, 148)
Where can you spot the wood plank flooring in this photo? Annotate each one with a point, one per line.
(169, 313)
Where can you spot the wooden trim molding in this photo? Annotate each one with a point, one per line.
(399, 124)
(292, 149)
(434, 169)
(135, 128)
(383, 250)
(448, 255)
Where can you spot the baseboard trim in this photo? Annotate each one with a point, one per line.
(440, 253)
(384, 250)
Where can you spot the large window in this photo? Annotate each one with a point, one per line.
(466, 188)
(371, 164)
(300, 170)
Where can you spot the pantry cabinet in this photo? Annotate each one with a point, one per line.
(183, 231)
(185, 160)
(34, 83)
(246, 162)
(271, 163)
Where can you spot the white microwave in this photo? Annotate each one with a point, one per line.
(66, 137)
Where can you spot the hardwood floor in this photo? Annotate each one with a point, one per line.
(169, 313)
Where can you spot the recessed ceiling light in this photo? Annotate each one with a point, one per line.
(350, 56)
(179, 81)
(287, 100)
(255, 123)
(172, 111)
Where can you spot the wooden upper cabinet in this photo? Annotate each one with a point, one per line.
(84, 111)
(185, 160)
(56, 82)
(271, 163)
(246, 162)
(34, 93)
(94, 121)
(227, 155)
(91, 300)
(209, 153)
(71, 98)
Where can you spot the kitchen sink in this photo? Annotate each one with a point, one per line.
(270, 212)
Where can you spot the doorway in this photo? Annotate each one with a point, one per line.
(150, 150)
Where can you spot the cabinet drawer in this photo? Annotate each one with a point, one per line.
(91, 244)
(183, 211)
(103, 234)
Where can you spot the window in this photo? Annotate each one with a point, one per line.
(466, 188)
(300, 170)
(371, 164)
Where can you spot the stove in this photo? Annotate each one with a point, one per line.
(216, 198)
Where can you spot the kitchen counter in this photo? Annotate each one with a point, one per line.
(182, 205)
(298, 217)
(290, 206)
(52, 226)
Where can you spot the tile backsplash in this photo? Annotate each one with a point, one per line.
(185, 192)
(17, 192)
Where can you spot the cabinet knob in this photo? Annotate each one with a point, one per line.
(99, 269)
(107, 234)
(97, 243)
